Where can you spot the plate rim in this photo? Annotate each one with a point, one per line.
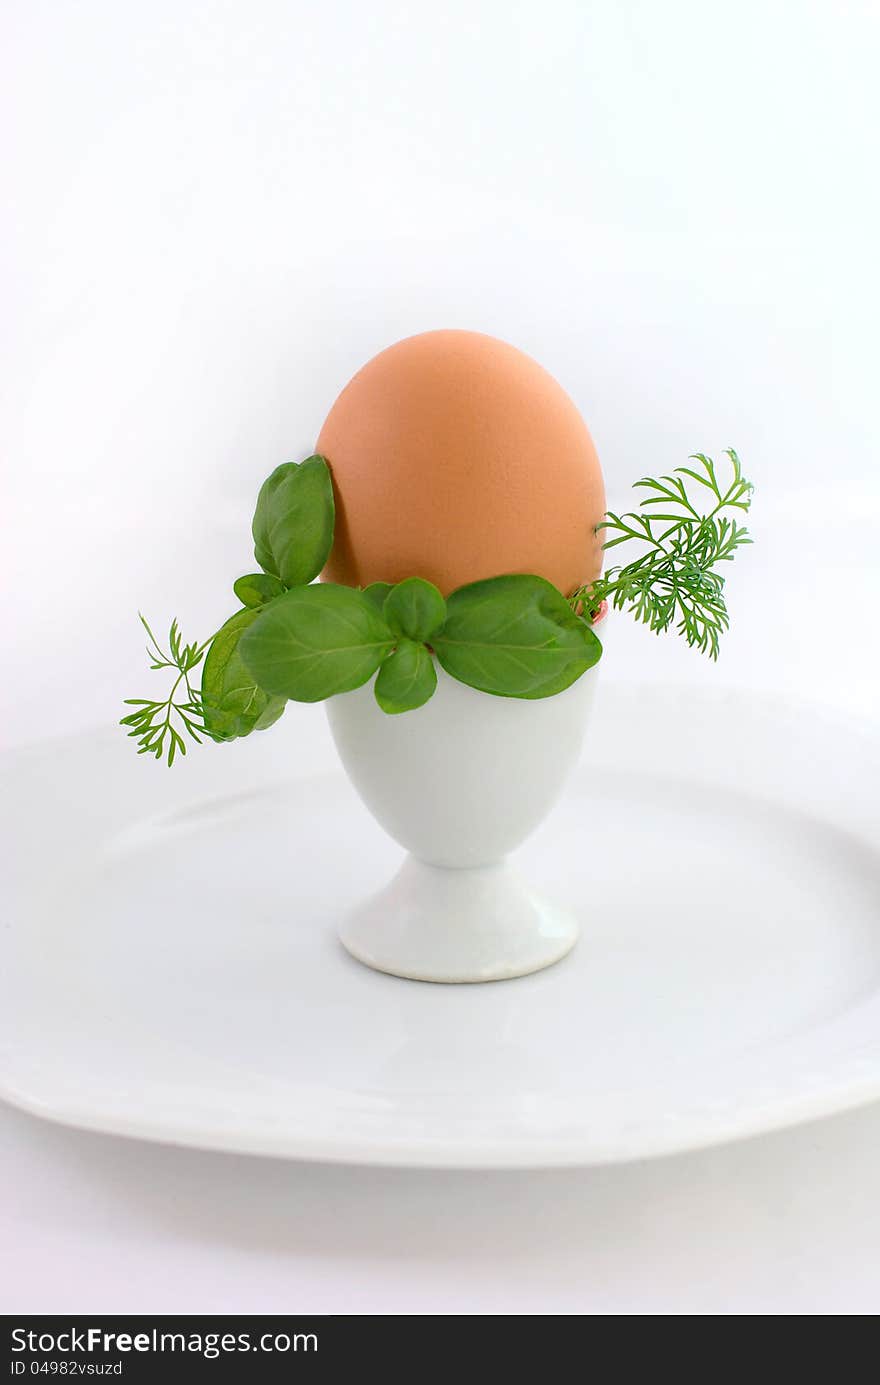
(782, 1109)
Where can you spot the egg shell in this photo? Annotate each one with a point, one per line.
(457, 457)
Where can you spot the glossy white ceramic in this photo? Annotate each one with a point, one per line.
(466, 778)
(169, 965)
(434, 923)
(460, 782)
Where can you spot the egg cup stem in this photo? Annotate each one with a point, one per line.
(438, 923)
(460, 783)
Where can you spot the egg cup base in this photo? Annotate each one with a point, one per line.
(458, 925)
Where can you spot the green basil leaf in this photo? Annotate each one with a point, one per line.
(315, 641)
(415, 608)
(514, 636)
(257, 588)
(407, 678)
(293, 521)
(377, 592)
(232, 703)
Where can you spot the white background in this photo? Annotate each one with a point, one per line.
(213, 215)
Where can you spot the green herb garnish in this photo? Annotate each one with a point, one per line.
(675, 580)
(512, 636)
(515, 636)
(256, 588)
(407, 679)
(316, 641)
(293, 521)
(153, 723)
(233, 703)
(414, 608)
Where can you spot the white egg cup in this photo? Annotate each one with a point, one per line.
(460, 782)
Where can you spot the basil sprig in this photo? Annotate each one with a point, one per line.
(377, 592)
(256, 588)
(319, 640)
(407, 678)
(233, 703)
(293, 521)
(294, 639)
(315, 641)
(512, 636)
(414, 608)
(515, 636)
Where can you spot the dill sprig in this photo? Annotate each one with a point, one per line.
(157, 725)
(675, 580)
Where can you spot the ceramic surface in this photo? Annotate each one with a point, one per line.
(169, 966)
(431, 923)
(460, 782)
(466, 778)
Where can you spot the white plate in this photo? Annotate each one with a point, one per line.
(170, 967)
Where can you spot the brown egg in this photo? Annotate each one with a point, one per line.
(457, 457)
